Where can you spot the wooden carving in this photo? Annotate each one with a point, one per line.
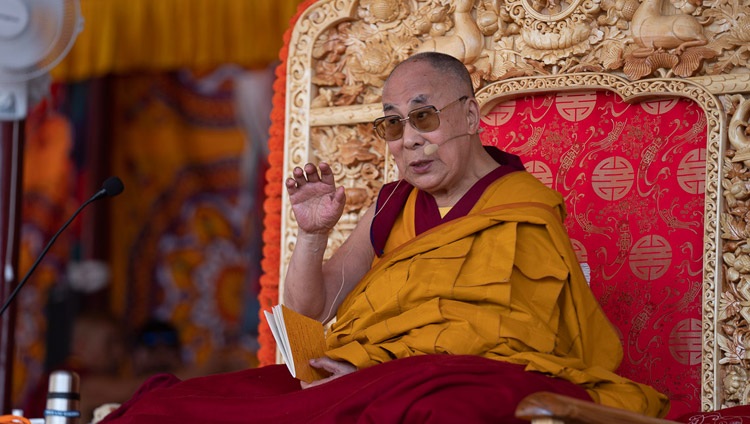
(652, 29)
(734, 306)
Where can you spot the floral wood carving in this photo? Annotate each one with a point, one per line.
(734, 305)
(501, 39)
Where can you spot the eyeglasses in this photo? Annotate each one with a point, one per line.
(423, 119)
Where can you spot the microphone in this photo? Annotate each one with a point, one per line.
(431, 149)
(111, 187)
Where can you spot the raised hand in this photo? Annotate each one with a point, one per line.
(316, 201)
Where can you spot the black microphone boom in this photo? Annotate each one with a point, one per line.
(111, 187)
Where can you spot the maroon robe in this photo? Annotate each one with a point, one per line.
(420, 389)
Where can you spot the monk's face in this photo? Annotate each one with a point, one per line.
(438, 172)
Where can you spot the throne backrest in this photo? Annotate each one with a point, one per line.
(339, 52)
(633, 178)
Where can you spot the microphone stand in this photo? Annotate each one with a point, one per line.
(9, 300)
(11, 160)
(111, 187)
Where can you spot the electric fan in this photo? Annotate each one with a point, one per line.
(34, 36)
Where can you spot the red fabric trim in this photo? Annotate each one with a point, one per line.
(427, 214)
(733, 415)
(389, 207)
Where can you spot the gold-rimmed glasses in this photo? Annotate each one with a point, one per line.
(423, 119)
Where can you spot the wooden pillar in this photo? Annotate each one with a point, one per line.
(11, 160)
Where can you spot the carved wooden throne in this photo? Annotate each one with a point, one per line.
(636, 112)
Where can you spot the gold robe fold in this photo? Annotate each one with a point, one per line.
(501, 282)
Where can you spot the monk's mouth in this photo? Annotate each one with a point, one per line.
(420, 166)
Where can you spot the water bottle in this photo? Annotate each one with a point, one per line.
(63, 398)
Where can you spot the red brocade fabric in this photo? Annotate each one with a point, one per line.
(420, 389)
(734, 415)
(633, 179)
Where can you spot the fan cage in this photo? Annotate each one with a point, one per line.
(71, 24)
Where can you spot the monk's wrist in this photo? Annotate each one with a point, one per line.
(312, 241)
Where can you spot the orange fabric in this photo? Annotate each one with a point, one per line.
(13, 419)
(123, 36)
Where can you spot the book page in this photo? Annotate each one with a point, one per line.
(299, 338)
(281, 342)
(306, 341)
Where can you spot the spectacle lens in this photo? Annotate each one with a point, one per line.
(423, 119)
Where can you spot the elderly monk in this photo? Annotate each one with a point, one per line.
(456, 295)
(466, 254)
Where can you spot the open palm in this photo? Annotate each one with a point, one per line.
(316, 201)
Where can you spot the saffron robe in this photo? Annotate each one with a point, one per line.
(501, 282)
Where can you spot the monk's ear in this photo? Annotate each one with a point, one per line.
(472, 115)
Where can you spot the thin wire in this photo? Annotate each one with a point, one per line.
(341, 288)
(387, 199)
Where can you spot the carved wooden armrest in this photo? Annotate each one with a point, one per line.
(551, 408)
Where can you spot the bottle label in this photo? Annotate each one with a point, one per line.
(59, 413)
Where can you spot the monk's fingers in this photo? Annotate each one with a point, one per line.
(302, 176)
(334, 367)
(298, 175)
(311, 172)
(326, 173)
(291, 185)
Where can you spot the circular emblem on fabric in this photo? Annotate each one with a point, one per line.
(691, 172)
(650, 257)
(659, 106)
(500, 114)
(685, 341)
(575, 107)
(612, 178)
(541, 171)
(580, 250)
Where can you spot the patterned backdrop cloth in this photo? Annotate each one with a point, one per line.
(186, 228)
(633, 178)
(185, 232)
(47, 203)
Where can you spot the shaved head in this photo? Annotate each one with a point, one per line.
(445, 64)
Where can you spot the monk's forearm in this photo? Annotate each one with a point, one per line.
(304, 286)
